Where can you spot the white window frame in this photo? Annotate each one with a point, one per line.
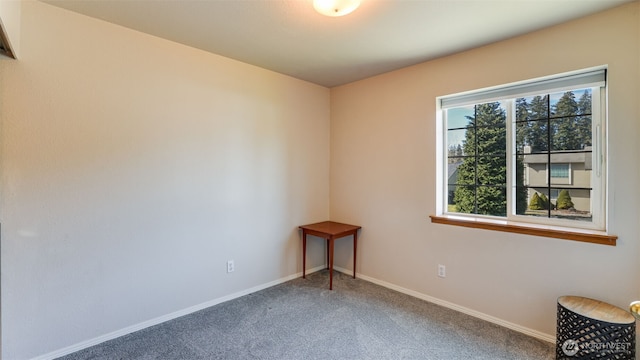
(593, 78)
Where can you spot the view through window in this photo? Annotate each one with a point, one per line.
(529, 157)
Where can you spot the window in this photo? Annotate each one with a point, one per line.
(559, 171)
(530, 152)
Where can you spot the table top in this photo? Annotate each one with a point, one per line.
(596, 310)
(331, 228)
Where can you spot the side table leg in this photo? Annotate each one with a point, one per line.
(331, 264)
(327, 253)
(304, 253)
(355, 247)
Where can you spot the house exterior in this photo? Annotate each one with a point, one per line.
(452, 178)
(568, 170)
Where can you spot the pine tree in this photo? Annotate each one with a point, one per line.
(450, 154)
(522, 124)
(454, 153)
(537, 135)
(486, 138)
(521, 191)
(565, 136)
(584, 119)
(523, 133)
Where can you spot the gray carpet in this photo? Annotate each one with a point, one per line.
(302, 319)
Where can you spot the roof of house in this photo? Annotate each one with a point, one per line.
(452, 169)
(560, 158)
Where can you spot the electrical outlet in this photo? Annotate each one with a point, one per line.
(442, 271)
(230, 266)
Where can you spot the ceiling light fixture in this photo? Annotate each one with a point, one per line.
(335, 7)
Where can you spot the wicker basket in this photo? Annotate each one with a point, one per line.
(591, 329)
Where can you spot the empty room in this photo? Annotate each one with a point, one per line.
(162, 164)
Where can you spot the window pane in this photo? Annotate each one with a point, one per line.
(465, 173)
(492, 140)
(460, 117)
(452, 173)
(461, 199)
(520, 184)
(560, 203)
(574, 102)
(532, 108)
(532, 137)
(521, 197)
(571, 133)
(492, 201)
(538, 202)
(492, 170)
(455, 143)
(571, 123)
(573, 204)
(535, 169)
(491, 114)
(483, 161)
(483, 200)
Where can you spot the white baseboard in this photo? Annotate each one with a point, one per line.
(492, 319)
(115, 334)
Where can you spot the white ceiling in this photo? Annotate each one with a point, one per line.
(289, 37)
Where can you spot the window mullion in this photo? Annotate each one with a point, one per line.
(511, 157)
(475, 148)
(549, 154)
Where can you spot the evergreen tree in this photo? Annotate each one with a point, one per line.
(537, 136)
(536, 203)
(523, 133)
(545, 201)
(565, 136)
(564, 200)
(450, 154)
(486, 138)
(522, 124)
(584, 119)
(459, 151)
(454, 154)
(521, 191)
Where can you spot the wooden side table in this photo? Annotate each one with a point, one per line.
(592, 329)
(330, 231)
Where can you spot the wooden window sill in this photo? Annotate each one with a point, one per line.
(594, 237)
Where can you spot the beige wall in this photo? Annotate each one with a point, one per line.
(10, 11)
(383, 161)
(133, 168)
